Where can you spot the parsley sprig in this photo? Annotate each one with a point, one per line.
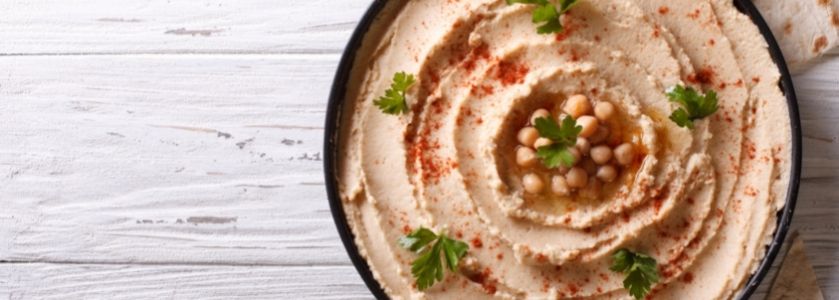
(547, 13)
(694, 105)
(394, 102)
(563, 138)
(641, 271)
(428, 267)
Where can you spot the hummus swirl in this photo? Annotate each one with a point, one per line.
(701, 201)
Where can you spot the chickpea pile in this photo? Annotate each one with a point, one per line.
(596, 161)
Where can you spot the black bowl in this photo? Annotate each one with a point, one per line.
(333, 117)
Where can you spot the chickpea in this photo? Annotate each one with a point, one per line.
(625, 154)
(583, 145)
(589, 125)
(607, 173)
(560, 117)
(525, 156)
(541, 142)
(527, 136)
(532, 183)
(576, 178)
(604, 111)
(559, 186)
(577, 105)
(601, 154)
(539, 113)
(600, 136)
(576, 153)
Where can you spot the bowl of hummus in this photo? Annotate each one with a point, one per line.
(571, 149)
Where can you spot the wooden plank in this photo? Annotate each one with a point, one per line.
(160, 26)
(85, 27)
(148, 159)
(101, 156)
(91, 281)
(199, 159)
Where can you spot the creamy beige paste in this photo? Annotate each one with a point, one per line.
(702, 202)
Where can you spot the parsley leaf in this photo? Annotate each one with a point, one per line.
(417, 239)
(393, 102)
(428, 267)
(694, 105)
(641, 271)
(556, 155)
(563, 137)
(547, 13)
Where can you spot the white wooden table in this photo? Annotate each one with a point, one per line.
(172, 149)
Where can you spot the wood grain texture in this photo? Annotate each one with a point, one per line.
(86, 281)
(85, 27)
(165, 159)
(172, 149)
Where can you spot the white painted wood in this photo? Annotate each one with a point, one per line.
(197, 159)
(86, 281)
(136, 163)
(163, 26)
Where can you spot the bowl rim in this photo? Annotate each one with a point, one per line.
(335, 110)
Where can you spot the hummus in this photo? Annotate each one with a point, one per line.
(701, 201)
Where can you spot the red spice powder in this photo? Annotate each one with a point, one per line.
(703, 76)
(477, 243)
(569, 28)
(433, 168)
(423, 149)
(695, 14)
(478, 53)
(657, 202)
(481, 90)
(751, 191)
(688, 278)
(573, 289)
(663, 10)
(751, 149)
(427, 86)
(482, 278)
(510, 73)
(604, 276)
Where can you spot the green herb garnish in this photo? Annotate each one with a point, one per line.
(641, 271)
(428, 267)
(393, 102)
(694, 105)
(563, 137)
(547, 13)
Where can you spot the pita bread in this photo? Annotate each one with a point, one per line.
(796, 279)
(805, 29)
